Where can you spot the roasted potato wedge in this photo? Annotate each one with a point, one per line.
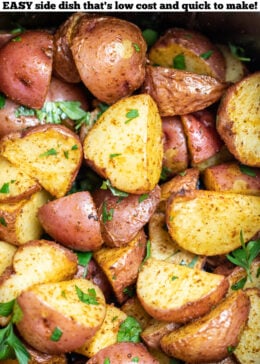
(198, 53)
(124, 353)
(59, 317)
(121, 264)
(132, 307)
(15, 185)
(50, 153)
(232, 177)
(178, 92)
(175, 150)
(247, 350)
(153, 333)
(72, 221)
(18, 220)
(235, 69)
(117, 59)
(196, 218)
(130, 132)
(107, 334)
(238, 120)
(130, 215)
(218, 331)
(7, 252)
(36, 262)
(27, 67)
(162, 291)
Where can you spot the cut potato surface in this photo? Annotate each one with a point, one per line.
(172, 292)
(209, 222)
(7, 252)
(129, 151)
(211, 337)
(238, 120)
(75, 308)
(50, 153)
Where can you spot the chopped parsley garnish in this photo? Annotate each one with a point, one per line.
(239, 285)
(51, 151)
(230, 349)
(206, 55)
(2, 221)
(238, 52)
(136, 47)
(83, 259)
(135, 360)
(114, 155)
(129, 291)
(106, 215)
(147, 255)
(5, 188)
(66, 154)
(143, 197)
(2, 100)
(165, 173)
(115, 192)
(150, 36)
(17, 30)
(129, 331)
(179, 62)
(193, 262)
(56, 334)
(247, 170)
(6, 308)
(130, 115)
(174, 278)
(106, 361)
(183, 173)
(89, 298)
(16, 39)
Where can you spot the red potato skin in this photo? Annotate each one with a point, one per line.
(26, 67)
(5, 37)
(203, 138)
(175, 157)
(58, 91)
(123, 353)
(72, 220)
(129, 216)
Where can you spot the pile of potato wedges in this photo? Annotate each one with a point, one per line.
(129, 196)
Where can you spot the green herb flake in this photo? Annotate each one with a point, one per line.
(247, 170)
(114, 318)
(193, 262)
(131, 114)
(106, 361)
(206, 55)
(129, 331)
(174, 278)
(24, 111)
(238, 52)
(244, 256)
(106, 215)
(165, 173)
(175, 361)
(49, 152)
(114, 155)
(17, 313)
(66, 154)
(2, 101)
(89, 298)
(135, 360)
(56, 334)
(136, 47)
(179, 62)
(143, 197)
(6, 308)
(2, 221)
(239, 285)
(83, 260)
(147, 255)
(129, 291)
(258, 272)
(17, 39)
(150, 36)
(230, 349)
(5, 188)
(183, 173)
(74, 147)
(115, 192)
(17, 30)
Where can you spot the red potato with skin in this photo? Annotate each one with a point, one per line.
(129, 216)
(73, 221)
(26, 67)
(6, 36)
(175, 156)
(202, 136)
(123, 353)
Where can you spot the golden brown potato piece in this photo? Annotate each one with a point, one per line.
(121, 264)
(129, 215)
(7, 252)
(202, 137)
(247, 350)
(18, 220)
(107, 334)
(50, 153)
(132, 307)
(175, 156)
(123, 353)
(59, 317)
(198, 53)
(130, 133)
(164, 248)
(15, 185)
(232, 177)
(37, 261)
(238, 120)
(109, 51)
(178, 92)
(209, 222)
(211, 337)
(153, 333)
(162, 290)
(26, 68)
(72, 221)
(63, 63)
(235, 69)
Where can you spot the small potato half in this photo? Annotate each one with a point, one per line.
(110, 55)
(60, 317)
